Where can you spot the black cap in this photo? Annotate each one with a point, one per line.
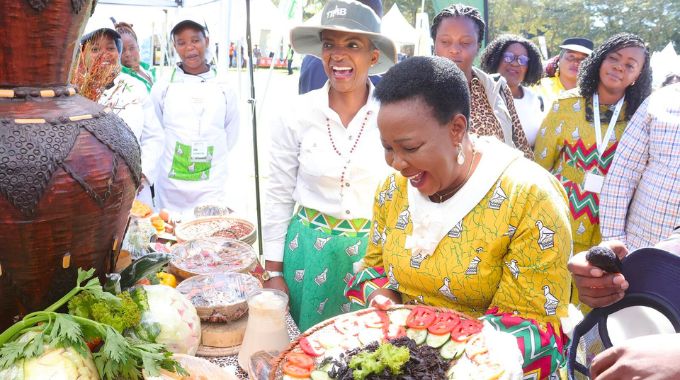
(194, 24)
(110, 32)
(579, 44)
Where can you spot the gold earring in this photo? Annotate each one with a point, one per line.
(461, 155)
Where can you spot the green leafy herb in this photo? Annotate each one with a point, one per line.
(119, 357)
(120, 312)
(387, 356)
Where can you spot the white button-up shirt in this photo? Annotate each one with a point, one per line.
(307, 170)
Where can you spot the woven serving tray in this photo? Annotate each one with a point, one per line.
(276, 372)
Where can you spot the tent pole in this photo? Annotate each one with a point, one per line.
(253, 112)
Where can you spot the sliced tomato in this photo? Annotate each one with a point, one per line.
(420, 318)
(301, 360)
(292, 370)
(444, 323)
(347, 326)
(464, 329)
(311, 347)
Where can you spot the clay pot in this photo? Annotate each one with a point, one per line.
(69, 169)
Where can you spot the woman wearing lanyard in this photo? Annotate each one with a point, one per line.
(326, 157)
(576, 144)
(200, 116)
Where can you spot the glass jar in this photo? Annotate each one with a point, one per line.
(266, 329)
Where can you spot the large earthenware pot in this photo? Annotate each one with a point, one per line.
(69, 168)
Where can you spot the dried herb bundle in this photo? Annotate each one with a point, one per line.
(93, 73)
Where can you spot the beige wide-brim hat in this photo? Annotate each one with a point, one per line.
(346, 16)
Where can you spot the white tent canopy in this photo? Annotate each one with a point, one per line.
(395, 26)
(664, 62)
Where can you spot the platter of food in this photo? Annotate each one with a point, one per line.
(197, 369)
(217, 226)
(211, 255)
(406, 341)
(140, 209)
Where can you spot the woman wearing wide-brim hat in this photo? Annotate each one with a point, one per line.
(327, 158)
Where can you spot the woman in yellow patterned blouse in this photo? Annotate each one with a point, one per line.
(578, 146)
(467, 223)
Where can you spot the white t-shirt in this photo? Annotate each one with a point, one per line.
(530, 113)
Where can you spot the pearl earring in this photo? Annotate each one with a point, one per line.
(461, 156)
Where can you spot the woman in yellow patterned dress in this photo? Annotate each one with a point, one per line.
(467, 223)
(578, 146)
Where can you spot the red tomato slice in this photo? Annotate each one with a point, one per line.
(311, 347)
(294, 371)
(444, 323)
(464, 329)
(347, 326)
(420, 318)
(300, 360)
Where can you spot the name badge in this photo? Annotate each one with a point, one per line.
(199, 150)
(593, 182)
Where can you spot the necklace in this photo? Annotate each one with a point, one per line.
(354, 146)
(445, 196)
(356, 141)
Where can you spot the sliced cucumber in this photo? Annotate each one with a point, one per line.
(370, 335)
(318, 374)
(437, 341)
(418, 336)
(452, 350)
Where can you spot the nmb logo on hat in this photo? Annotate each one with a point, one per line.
(336, 12)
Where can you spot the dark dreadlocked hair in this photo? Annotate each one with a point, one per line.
(125, 28)
(589, 71)
(459, 10)
(493, 55)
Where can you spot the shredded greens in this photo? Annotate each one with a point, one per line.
(386, 356)
(118, 357)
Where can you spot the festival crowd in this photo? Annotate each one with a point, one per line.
(431, 181)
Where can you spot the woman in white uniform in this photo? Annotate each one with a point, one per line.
(126, 96)
(199, 113)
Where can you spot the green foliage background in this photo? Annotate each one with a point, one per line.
(657, 21)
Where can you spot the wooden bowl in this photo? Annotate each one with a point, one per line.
(217, 226)
(211, 255)
(219, 297)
